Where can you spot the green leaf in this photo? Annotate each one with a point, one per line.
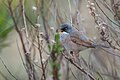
(54, 63)
(57, 46)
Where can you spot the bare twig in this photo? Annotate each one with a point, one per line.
(43, 19)
(30, 66)
(16, 27)
(68, 70)
(40, 53)
(102, 25)
(8, 69)
(74, 75)
(4, 76)
(70, 11)
(106, 14)
(21, 55)
(26, 53)
(80, 68)
(23, 16)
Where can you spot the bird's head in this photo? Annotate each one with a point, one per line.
(66, 28)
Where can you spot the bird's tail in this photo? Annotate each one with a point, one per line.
(101, 45)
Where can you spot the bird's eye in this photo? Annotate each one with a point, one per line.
(66, 28)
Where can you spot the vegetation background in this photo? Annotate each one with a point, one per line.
(28, 38)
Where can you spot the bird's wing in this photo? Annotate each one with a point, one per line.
(75, 37)
(68, 44)
(81, 42)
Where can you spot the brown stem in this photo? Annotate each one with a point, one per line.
(54, 66)
(27, 55)
(40, 52)
(43, 20)
(81, 69)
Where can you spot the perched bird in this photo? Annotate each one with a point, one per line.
(78, 37)
(68, 44)
(75, 41)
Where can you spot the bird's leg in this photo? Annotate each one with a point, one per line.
(74, 55)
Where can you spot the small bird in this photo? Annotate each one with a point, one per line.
(68, 44)
(75, 41)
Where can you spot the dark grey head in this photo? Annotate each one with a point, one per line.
(66, 27)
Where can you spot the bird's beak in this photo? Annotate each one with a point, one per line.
(59, 31)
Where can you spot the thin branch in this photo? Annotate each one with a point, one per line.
(16, 27)
(74, 75)
(70, 11)
(106, 14)
(40, 53)
(7, 69)
(21, 55)
(43, 20)
(111, 52)
(24, 18)
(68, 70)
(80, 68)
(4, 76)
